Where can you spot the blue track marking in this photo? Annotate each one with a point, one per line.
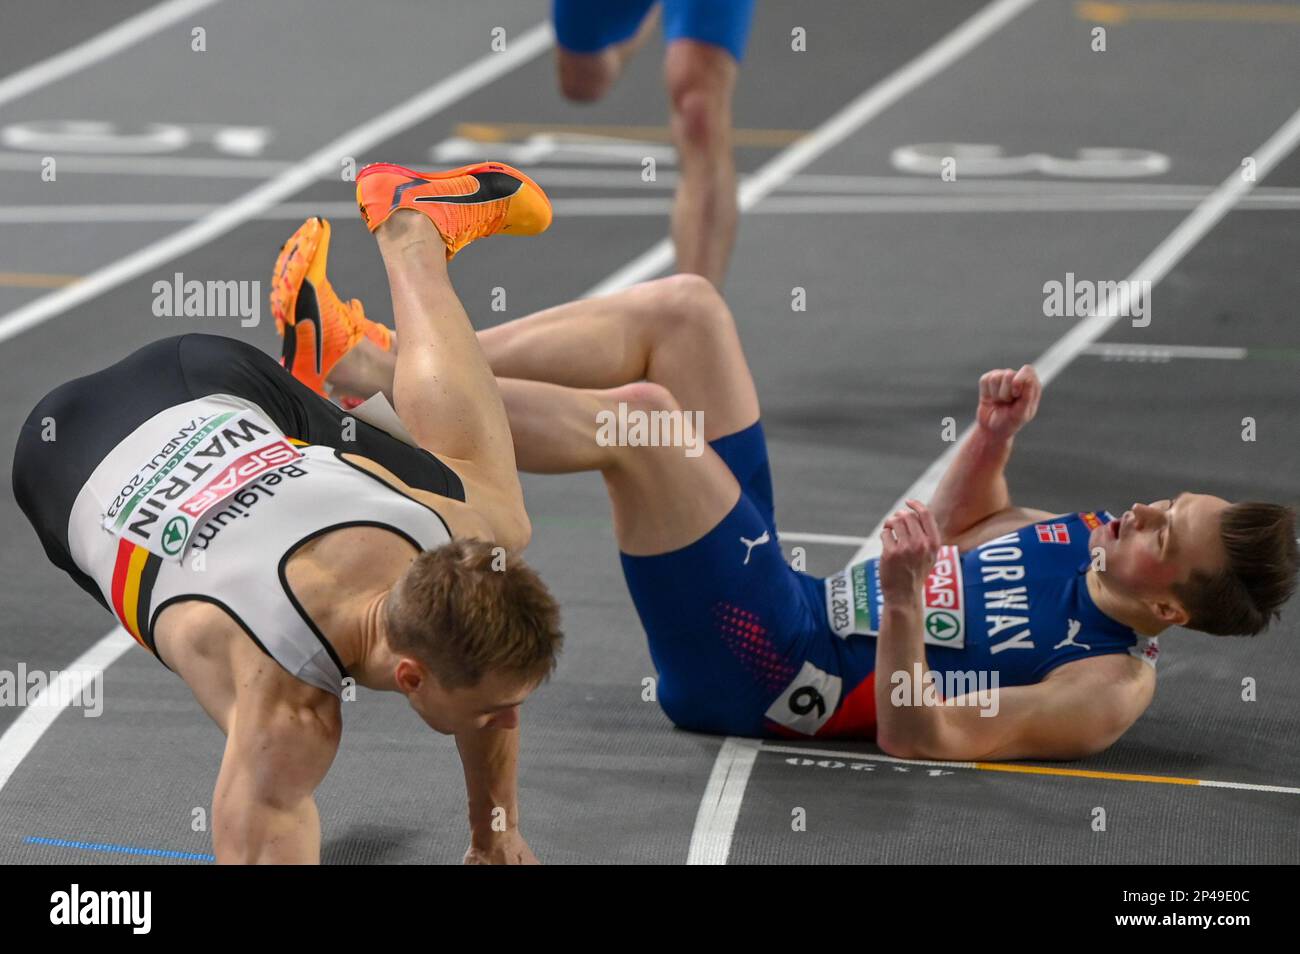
(119, 849)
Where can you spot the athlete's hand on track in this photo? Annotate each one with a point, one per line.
(1008, 400)
(505, 848)
(911, 545)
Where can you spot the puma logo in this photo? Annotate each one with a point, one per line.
(1075, 626)
(750, 544)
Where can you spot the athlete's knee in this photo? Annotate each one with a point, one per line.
(700, 79)
(585, 77)
(684, 296)
(699, 122)
(642, 402)
(691, 305)
(643, 396)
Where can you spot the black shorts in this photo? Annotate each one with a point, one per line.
(92, 415)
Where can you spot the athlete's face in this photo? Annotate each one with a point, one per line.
(492, 704)
(1151, 547)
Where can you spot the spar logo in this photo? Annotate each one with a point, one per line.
(237, 474)
(174, 535)
(944, 610)
(942, 626)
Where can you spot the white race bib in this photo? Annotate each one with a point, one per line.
(854, 604)
(161, 505)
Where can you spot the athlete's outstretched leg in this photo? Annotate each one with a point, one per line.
(443, 387)
(676, 332)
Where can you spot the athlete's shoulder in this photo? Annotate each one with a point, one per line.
(1005, 521)
(461, 520)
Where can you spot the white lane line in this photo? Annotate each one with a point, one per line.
(839, 127)
(720, 806)
(25, 731)
(1156, 265)
(831, 539)
(197, 167)
(1247, 786)
(919, 204)
(656, 206)
(1169, 252)
(106, 212)
(19, 739)
(1125, 351)
(711, 838)
(191, 211)
(301, 174)
(98, 48)
(808, 194)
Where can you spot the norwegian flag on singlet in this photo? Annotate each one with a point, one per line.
(1052, 532)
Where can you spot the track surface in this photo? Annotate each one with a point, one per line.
(914, 287)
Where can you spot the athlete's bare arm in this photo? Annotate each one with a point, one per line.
(1081, 709)
(443, 388)
(972, 503)
(281, 738)
(491, 761)
(490, 757)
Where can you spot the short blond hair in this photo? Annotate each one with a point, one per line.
(469, 608)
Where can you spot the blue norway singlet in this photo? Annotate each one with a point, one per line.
(1017, 606)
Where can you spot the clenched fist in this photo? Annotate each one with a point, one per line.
(1008, 400)
(911, 544)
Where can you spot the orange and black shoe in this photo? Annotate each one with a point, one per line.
(318, 329)
(465, 204)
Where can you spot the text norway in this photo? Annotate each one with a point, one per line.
(998, 562)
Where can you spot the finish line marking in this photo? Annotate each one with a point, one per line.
(1015, 769)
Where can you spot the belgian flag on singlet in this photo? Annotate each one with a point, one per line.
(134, 573)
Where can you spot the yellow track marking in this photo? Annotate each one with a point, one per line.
(36, 280)
(1016, 769)
(1186, 12)
(1084, 773)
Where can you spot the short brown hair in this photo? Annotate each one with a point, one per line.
(1260, 575)
(469, 608)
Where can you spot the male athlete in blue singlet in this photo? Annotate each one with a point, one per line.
(1005, 632)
